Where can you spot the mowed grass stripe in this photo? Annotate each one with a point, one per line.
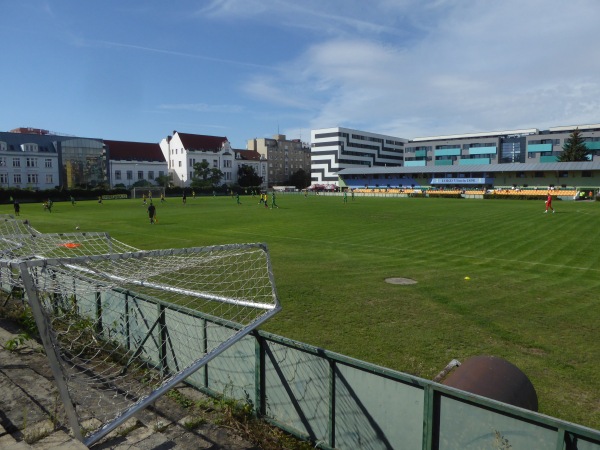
(532, 297)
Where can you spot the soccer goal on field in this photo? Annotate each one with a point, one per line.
(148, 192)
(122, 326)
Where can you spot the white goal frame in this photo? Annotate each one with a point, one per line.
(155, 191)
(134, 312)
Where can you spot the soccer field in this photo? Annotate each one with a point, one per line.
(532, 295)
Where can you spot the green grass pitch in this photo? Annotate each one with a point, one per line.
(533, 296)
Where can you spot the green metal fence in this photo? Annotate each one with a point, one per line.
(331, 399)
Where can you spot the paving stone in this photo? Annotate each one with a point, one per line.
(37, 431)
(10, 443)
(28, 400)
(59, 440)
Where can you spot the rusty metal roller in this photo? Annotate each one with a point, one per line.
(494, 378)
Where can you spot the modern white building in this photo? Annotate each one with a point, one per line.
(517, 158)
(334, 149)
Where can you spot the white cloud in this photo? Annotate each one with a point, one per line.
(477, 66)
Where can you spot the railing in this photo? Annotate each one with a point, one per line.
(331, 399)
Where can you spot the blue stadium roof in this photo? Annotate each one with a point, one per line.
(489, 168)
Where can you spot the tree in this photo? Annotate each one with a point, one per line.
(300, 179)
(247, 177)
(141, 183)
(204, 176)
(162, 180)
(574, 148)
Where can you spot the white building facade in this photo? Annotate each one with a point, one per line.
(28, 162)
(134, 162)
(257, 161)
(183, 150)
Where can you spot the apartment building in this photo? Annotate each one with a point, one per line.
(284, 156)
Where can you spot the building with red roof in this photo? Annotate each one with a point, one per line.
(257, 161)
(183, 150)
(133, 162)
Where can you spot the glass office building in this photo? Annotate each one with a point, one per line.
(83, 163)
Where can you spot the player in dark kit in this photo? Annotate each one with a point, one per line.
(151, 212)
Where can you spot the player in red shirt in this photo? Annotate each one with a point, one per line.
(549, 203)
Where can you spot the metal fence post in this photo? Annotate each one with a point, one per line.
(332, 377)
(99, 328)
(127, 325)
(428, 416)
(205, 350)
(259, 375)
(162, 340)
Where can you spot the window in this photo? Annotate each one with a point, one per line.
(49, 179)
(179, 163)
(48, 163)
(17, 163)
(140, 175)
(3, 178)
(31, 162)
(215, 163)
(32, 178)
(3, 161)
(161, 173)
(586, 173)
(117, 174)
(151, 174)
(17, 178)
(130, 174)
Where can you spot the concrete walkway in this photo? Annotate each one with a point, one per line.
(32, 415)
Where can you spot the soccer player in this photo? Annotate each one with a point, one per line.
(549, 203)
(151, 212)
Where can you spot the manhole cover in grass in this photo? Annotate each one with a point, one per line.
(400, 281)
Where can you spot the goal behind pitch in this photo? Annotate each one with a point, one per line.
(148, 191)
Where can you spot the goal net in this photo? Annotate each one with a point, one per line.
(148, 192)
(121, 326)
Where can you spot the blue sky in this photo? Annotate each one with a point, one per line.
(137, 70)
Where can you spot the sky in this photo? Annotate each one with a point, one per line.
(245, 69)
